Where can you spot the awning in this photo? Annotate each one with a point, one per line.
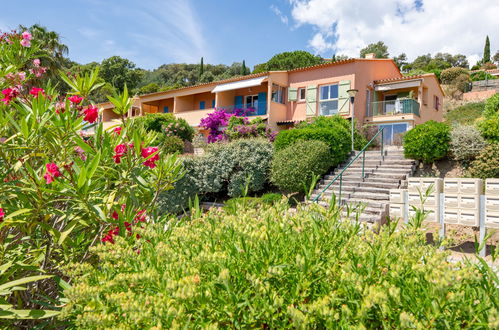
(239, 84)
(398, 85)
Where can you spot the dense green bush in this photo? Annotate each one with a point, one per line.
(165, 123)
(427, 142)
(333, 122)
(225, 169)
(466, 143)
(450, 75)
(490, 129)
(492, 106)
(294, 167)
(486, 165)
(172, 144)
(481, 75)
(466, 114)
(338, 140)
(265, 268)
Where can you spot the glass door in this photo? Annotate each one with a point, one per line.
(251, 101)
(392, 134)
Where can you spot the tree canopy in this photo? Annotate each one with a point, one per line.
(289, 61)
(379, 49)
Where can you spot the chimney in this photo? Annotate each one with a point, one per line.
(370, 56)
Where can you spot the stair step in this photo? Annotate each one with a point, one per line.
(389, 175)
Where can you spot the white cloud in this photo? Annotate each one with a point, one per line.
(284, 19)
(454, 26)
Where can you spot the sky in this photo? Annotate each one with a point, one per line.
(155, 32)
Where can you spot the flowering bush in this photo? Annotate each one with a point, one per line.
(266, 267)
(62, 190)
(217, 121)
(242, 127)
(167, 124)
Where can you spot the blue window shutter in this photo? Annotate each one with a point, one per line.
(262, 103)
(213, 103)
(238, 103)
(165, 109)
(202, 105)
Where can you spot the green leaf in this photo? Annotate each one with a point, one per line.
(26, 314)
(16, 213)
(92, 167)
(23, 281)
(82, 177)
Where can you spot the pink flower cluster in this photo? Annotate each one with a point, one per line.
(35, 91)
(26, 39)
(37, 70)
(51, 172)
(75, 99)
(9, 94)
(16, 78)
(140, 216)
(91, 114)
(2, 214)
(121, 149)
(117, 130)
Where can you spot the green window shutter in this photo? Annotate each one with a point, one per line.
(311, 98)
(292, 94)
(343, 103)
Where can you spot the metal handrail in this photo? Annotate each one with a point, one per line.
(363, 152)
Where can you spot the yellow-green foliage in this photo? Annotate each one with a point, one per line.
(271, 268)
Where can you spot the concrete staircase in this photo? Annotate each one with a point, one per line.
(370, 196)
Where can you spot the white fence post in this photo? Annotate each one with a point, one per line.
(441, 212)
(483, 230)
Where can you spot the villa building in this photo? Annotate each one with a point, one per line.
(283, 98)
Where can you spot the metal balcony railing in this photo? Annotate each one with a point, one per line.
(394, 107)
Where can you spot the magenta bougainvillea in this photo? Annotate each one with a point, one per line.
(216, 122)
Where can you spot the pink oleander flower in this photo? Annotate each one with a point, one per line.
(52, 171)
(117, 130)
(38, 71)
(140, 217)
(119, 151)
(36, 62)
(80, 153)
(25, 43)
(21, 75)
(91, 114)
(9, 94)
(146, 152)
(60, 107)
(35, 91)
(75, 99)
(26, 35)
(2, 214)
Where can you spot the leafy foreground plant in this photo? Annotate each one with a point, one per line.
(271, 268)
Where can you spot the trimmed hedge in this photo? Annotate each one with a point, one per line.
(427, 142)
(294, 167)
(338, 141)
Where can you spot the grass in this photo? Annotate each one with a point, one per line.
(465, 114)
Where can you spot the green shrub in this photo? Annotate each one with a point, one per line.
(486, 165)
(492, 106)
(338, 140)
(294, 167)
(172, 144)
(450, 75)
(166, 123)
(490, 129)
(333, 122)
(481, 75)
(268, 268)
(271, 198)
(466, 114)
(466, 143)
(225, 169)
(427, 142)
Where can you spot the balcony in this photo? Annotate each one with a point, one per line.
(394, 107)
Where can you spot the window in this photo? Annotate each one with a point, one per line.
(213, 103)
(202, 105)
(328, 100)
(436, 103)
(277, 93)
(165, 109)
(301, 94)
(251, 101)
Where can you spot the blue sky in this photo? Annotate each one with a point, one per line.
(155, 32)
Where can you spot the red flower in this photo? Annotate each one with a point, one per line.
(75, 99)
(2, 214)
(115, 215)
(9, 94)
(35, 91)
(52, 171)
(117, 130)
(120, 151)
(109, 236)
(91, 114)
(140, 217)
(146, 152)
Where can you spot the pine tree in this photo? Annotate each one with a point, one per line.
(486, 51)
(201, 68)
(243, 68)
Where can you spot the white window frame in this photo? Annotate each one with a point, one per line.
(253, 96)
(279, 94)
(299, 91)
(337, 99)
